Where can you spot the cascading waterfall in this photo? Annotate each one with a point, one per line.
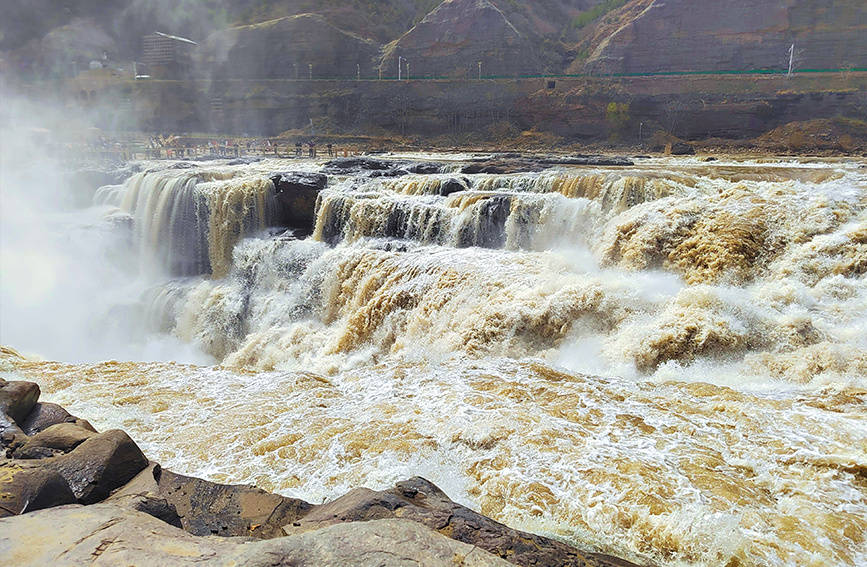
(188, 222)
(666, 361)
(516, 212)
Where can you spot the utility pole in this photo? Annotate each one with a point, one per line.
(358, 71)
(791, 60)
(408, 76)
(399, 76)
(640, 138)
(310, 71)
(480, 70)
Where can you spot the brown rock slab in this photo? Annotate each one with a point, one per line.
(109, 535)
(62, 437)
(421, 501)
(23, 489)
(99, 465)
(207, 508)
(44, 415)
(18, 398)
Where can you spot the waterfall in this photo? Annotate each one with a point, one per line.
(189, 222)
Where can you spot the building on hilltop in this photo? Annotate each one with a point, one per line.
(167, 56)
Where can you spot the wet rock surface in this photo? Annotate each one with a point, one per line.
(108, 534)
(99, 465)
(207, 508)
(62, 437)
(134, 509)
(44, 415)
(24, 489)
(421, 501)
(18, 398)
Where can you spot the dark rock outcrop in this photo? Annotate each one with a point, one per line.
(502, 167)
(372, 167)
(421, 501)
(424, 168)
(296, 194)
(207, 508)
(452, 185)
(682, 149)
(599, 161)
(356, 164)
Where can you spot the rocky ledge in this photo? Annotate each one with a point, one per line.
(70, 495)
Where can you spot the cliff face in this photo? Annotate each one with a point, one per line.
(454, 38)
(285, 48)
(446, 38)
(731, 35)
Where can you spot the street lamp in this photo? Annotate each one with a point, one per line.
(480, 70)
(399, 69)
(310, 71)
(358, 71)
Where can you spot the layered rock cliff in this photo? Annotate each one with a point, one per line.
(458, 36)
(648, 36)
(292, 47)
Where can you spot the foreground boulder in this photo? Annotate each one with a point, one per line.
(57, 439)
(99, 465)
(18, 398)
(421, 501)
(24, 489)
(108, 534)
(207, 508)
(44, 415)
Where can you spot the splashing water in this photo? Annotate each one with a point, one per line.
(666, 362)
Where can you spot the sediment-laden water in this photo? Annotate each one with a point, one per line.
(664, 362)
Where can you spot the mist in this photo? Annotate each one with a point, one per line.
(70, 286)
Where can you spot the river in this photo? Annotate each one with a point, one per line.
(664, 362)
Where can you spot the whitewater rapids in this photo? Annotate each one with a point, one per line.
(663, 362)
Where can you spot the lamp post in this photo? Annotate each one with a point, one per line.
(310, 71)
(358, 71)
(408, 76)
(399, 69)
(480, 70)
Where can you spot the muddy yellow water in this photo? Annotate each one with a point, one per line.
(667, 362)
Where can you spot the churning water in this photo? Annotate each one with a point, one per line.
(664, 362)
